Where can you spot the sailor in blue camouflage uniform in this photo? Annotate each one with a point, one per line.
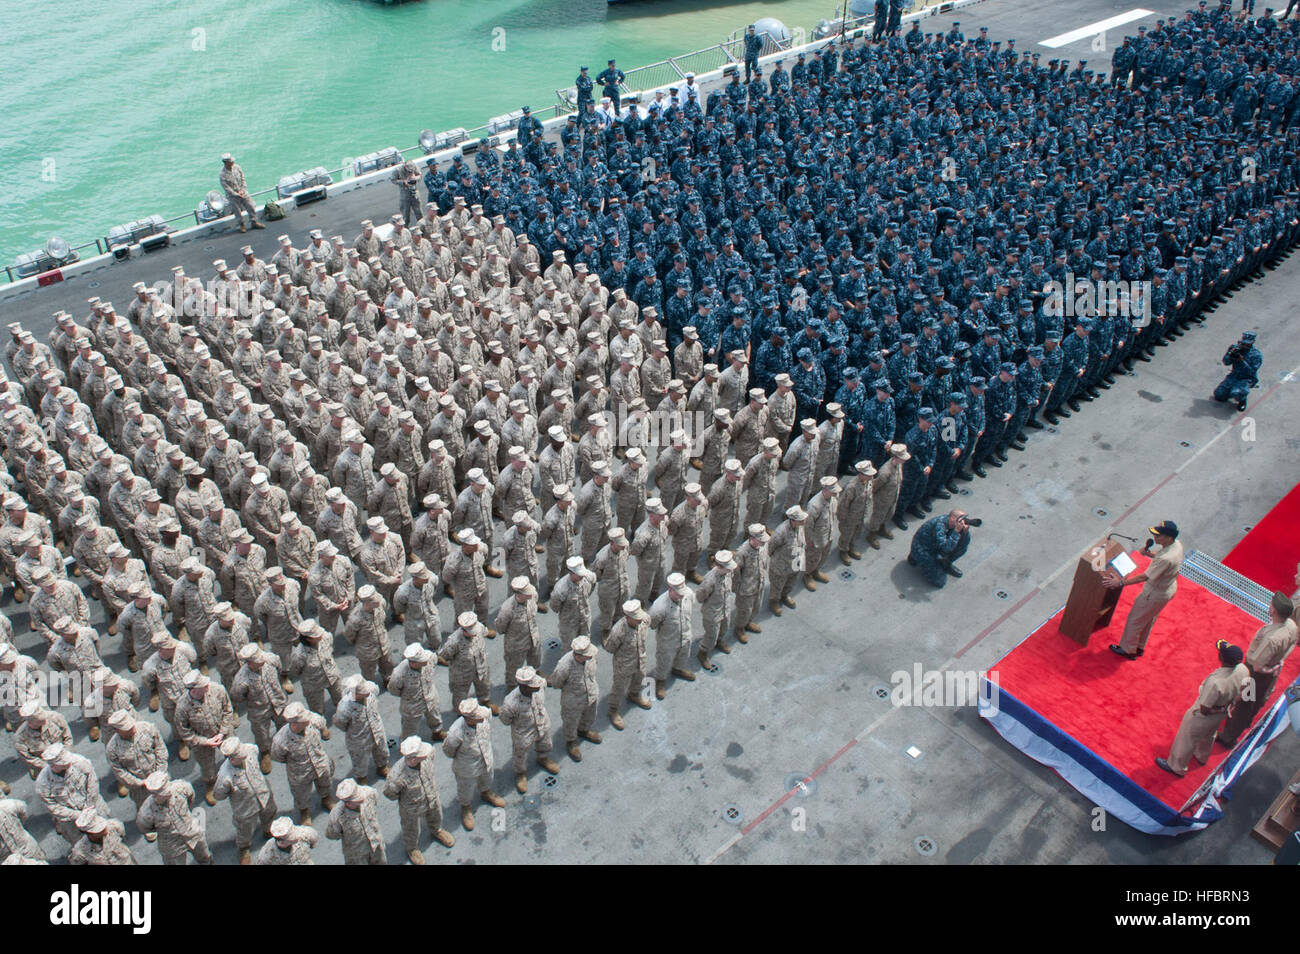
(1050, 371)
(880, 423)
(999, 408)
(753, 47)
(809, 385)
(938, 544)
(967, 467)
(1029, 392)
(852, 398)
(773, 358)
(1244, 361)
(1074, 365)
(583, 85)
(922, 444)
(953, 435)
(907, 403)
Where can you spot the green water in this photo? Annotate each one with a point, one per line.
(117, 109)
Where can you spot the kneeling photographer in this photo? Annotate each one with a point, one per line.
(939, 543)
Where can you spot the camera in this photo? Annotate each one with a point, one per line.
(974, 522)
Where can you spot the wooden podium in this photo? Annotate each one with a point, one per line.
(1090, 605)
(1281, 818)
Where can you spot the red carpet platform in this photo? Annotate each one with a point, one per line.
(1268, 554)
(1100, 721)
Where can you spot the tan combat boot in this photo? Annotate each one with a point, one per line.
(616, 720)
(521, 783)
(788, 600)
(703, 657)
(661, 688)
(810, 582)
(591, 735)
(493, 799)
(549, 764)
(210, 796)
(722, 647)
(445, 838)
(415, 856)
(574, 752)
(821, 577)
(775, 607)
(245, 857)
(304, 817)
(639, 701)
(684, 674)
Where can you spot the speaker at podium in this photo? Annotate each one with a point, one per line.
(1091, 604)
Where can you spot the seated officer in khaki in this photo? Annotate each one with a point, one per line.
(1220, 690)
(1161, 579)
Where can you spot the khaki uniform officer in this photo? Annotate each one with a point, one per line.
(1267, 652)
(1220, 690)
(1161, 579)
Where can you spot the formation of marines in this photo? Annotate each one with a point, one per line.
(288, 508)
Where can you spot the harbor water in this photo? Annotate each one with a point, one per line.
(118, 109)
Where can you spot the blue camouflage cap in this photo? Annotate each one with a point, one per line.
(979, 383)
(805, 354)
(956, 397)
(925, 414)
(882, 384)
(1007, 367)
(915, 377)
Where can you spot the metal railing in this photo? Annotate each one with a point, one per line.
(673, 70)
(340, 175)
